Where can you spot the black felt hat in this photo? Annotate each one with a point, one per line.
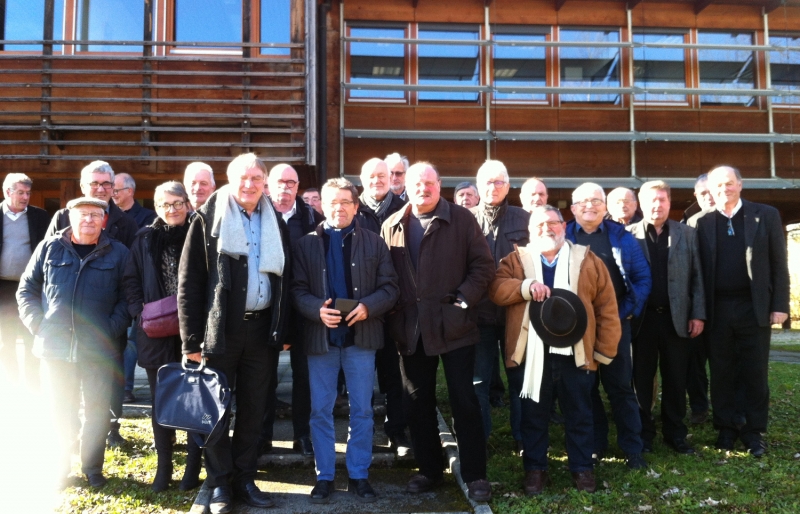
(560, 320)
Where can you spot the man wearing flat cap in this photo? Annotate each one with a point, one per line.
(71, 299)
(561, 320)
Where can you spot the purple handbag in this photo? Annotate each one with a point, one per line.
(160, 318)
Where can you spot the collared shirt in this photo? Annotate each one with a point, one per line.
(658, 249)
(721, 209)
(258, 289)
(290, 213)
(549, 271)
(14, 216)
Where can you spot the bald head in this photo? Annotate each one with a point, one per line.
(375, 178)
(283, 184)
(423, 187)
(725, 185)
(533, 194)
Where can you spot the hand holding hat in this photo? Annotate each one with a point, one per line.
(559, 320)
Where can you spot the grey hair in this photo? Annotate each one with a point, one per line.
(700, 179)
(96, 167)
(585, 188)
(196, 166)
(465, 185)
(548, 208)
(493, 167)
(393, 158)
(127, 180)
(12, 179)
(172, 187)
(342, 184)
(244, 162)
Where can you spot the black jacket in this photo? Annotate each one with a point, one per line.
(120, 226)
(38, 219)
(508, 228)
(140, 215)
(210, 304)
(304, 221)
(370, 221)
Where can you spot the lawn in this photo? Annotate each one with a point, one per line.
(711, 480)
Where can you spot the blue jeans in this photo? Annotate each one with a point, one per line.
(359, 371)
(617, 379)
(486, 354)
(574, 388)
(129, 358)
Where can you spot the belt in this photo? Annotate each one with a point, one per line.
(254, 315)
(660, 310)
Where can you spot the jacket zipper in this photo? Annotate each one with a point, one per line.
(73, 344)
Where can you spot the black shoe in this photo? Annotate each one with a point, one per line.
(698, 418)
(757, 448)
(266, 447)
(221, 500)
(96, 480)
(321, 492)
(419, 483)
(249, 493)
(725, 440)
(129, 397)
(115, 440)
(303, 446)
(635, 461)
(647, 446)
(361, 488)
(479, 490)
(399, 443)
(680, 446)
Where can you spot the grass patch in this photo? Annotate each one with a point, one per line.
(786, 347)
(710, 480)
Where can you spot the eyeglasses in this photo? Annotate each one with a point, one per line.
(398, 173)
(595, 202)
(287, 183)
(496, 183)
(176, 205)
(91, 216)
(730, 228)
(104, 185)
(117, 191)
(343, 203)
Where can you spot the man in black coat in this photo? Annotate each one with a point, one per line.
(232, 300)
(746, 276)
(23, 227)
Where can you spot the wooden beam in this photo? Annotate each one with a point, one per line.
(633, 3)
(560, 4)
(701, 5)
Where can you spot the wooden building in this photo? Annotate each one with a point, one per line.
(567, 90)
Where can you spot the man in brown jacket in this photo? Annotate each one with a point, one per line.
(444, 266)
(528, 274)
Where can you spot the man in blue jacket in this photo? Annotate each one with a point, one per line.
(630, 275)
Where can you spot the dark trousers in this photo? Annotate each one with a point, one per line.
(118, 383)
(574, 388)
(658, 345)
(64, 384)
(697, 378)
(162, 436)
(248, 362)
(617, 380)
(739, 357)
(301, 396)
(11, 328)
(419, 382)
(387, 362)
(486, 352)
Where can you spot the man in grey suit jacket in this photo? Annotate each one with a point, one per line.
(746, 278)
(674, 315)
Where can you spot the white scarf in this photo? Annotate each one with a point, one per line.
(534, 356)
(229, 230)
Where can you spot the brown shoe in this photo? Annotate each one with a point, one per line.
(419, 483)
(584, 481)
(480, 490)
(535, 481)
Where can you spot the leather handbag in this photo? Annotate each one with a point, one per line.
(160, 318)
(194, 399)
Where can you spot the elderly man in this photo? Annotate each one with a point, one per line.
(198, 179)
(674, 315)
(312, 199)
(630, 275)
(530, 274)
(466, 195)
(339, 262)
(300, 219)
(504, 227)
(444, 266)
(745, 269)
(23, 227)
(124, 192)
(398, 165)
(533, 194)
(376, 203)
(622, 206)
(97, 181)
(71, 299)
(233, 313)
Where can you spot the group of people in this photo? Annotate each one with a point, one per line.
(396, 279)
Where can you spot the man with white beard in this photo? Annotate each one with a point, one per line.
(568, 282)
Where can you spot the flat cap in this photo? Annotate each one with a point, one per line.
(87, 200)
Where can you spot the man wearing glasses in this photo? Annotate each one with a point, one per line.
(746, 276)
(398, 165)
(630, 275)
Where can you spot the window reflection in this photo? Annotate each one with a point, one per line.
(449, 65)
(519, 65)
(218, 21)
(784, 66)
(655, 68)
(377, 63)
(726, 69)
(275, 25)
(590, 66)
(24, 21)
(110, 20)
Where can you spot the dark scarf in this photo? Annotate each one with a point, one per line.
(337, 284)
(163, 237)
(378, 207)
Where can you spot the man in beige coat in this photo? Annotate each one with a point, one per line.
(526, 275)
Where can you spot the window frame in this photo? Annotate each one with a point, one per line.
(784, 34)
(407, 72)
(548, 32)
(559, 101)
(757, 71)
(688, 67)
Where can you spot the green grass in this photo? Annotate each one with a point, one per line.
(711, 480)
(786, 347)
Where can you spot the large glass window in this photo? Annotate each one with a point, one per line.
(726, 69)
(449, 65)
(216, 21)
(784, 66)
(23, 20)
(276, 23)
(377, 63)
(110, 20)
(590, 66)
(655, 68)
(517, 64)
